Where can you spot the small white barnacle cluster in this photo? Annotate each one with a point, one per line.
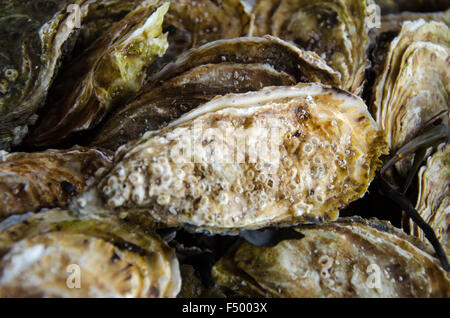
(293, 159)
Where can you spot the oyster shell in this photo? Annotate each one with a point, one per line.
(112, 260)
(351, 257)
(433, 202)
(33, 37)
(217, 68)
(108, 73)
(412, 85)
(32, 181)
(281, 155)
(334, 29)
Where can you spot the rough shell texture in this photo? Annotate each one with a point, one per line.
(107, 74)
(32, 181)
(33, 37)
(277, 156)
(217, 68)
(413, 83)
(349, 258)
(336, 30)
(113, 261)
(433, 202)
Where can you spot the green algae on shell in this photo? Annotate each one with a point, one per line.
(108, 73)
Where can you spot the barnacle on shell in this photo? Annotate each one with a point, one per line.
(282, 155)
(351, 257)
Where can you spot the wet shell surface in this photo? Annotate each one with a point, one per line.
(282, 155)
(32, 181)
(105, 75)
(53, 254)
(217, 68)
(336, 30)
(351, 257)
(413, 85)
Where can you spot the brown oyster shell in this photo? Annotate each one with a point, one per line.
(351, 257)
(32, 181)
(335, 30)
(114, 260)
(318, 150)
(217, 68)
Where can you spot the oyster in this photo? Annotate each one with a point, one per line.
(32, 181)
(334, 29)
(351, 257)
(41, 256)
(108, 73)
(33, 37)
(433, 202)
(278, 156)
(413, 81)
(217, 68)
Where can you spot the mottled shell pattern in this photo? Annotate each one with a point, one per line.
(112, 259)
(351, 257)
(245, 161)
(30, 182)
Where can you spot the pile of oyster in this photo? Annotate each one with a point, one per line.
(224, 148)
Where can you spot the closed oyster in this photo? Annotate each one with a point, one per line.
(108, 73)
(335, 29)
(33, 37)
(433, 202)
(53, 254)
(352, 257)
(278, 156)
(413, 81)
(217, 68)
(32, 181)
